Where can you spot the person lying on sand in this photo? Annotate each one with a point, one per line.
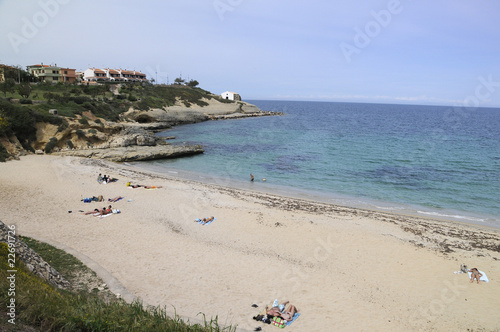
(207, 220)
(93, 212)
(143, 186)
(103, 211)
(287, 313)
(115, 199)
(475, 274)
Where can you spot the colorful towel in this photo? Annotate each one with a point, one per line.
(279, 322)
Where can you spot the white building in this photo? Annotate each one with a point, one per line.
(95, 74)
(230, 95)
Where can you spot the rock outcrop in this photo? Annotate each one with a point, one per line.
(132, 138)
(136, 153)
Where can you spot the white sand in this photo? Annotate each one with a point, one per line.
(345, 269)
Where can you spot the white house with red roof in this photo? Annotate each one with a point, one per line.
(96, 74)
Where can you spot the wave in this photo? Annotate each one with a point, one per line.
(454, 216)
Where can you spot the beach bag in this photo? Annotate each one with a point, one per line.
(279, 322)
(463, 268)
(100, 198)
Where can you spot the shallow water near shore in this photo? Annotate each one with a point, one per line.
(433, 161)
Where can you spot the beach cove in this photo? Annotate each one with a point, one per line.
(344, 268)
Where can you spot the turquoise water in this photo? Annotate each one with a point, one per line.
(427, 160)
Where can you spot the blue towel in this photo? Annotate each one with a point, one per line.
(293, 319)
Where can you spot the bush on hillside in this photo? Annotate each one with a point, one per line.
(83, 121)
(51, 144)
(20, 121)
(3, 153)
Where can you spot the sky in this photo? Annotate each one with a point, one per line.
(425, 52)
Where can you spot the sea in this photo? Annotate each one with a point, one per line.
(434, 161)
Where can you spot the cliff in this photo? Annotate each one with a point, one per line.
(131, 137)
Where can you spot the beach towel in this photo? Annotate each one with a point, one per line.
(483, 278)
(293, 319)
(279, 322)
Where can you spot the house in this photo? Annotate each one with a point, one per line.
(231, 95)
(68, 75)
(133, 76)
(95, 74)
(52, 73)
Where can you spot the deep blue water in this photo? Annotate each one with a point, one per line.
(430, 160)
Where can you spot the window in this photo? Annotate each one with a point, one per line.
(54, 78)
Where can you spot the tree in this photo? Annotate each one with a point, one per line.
(193, 83)
(24, 90)
(7, 86)
(179, 81)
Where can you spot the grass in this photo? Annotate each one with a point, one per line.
(44, 307)
(72, 99)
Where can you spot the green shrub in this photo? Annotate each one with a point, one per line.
(3, 153)
(92, 131)
(62, 126)
(70, 144)
(80, 99)
(83, 121)
(51, 144)
(80, 133)
(131, 97)
(25, 101)
(20, 121)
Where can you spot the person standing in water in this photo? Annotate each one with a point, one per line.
(251, 177)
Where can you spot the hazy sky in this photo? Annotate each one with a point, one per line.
(398, 51)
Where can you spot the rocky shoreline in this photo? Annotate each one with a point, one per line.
(133, 138)
(137, 153)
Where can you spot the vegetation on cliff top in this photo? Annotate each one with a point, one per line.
(23, 105)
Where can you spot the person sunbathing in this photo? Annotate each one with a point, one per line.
(115, 199)
(207, 220)
(475, 274)
(285, 313)
(93, 212)
(289, 312)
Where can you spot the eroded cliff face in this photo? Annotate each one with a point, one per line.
(134, 130)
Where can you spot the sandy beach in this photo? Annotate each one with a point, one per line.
(345, 269)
